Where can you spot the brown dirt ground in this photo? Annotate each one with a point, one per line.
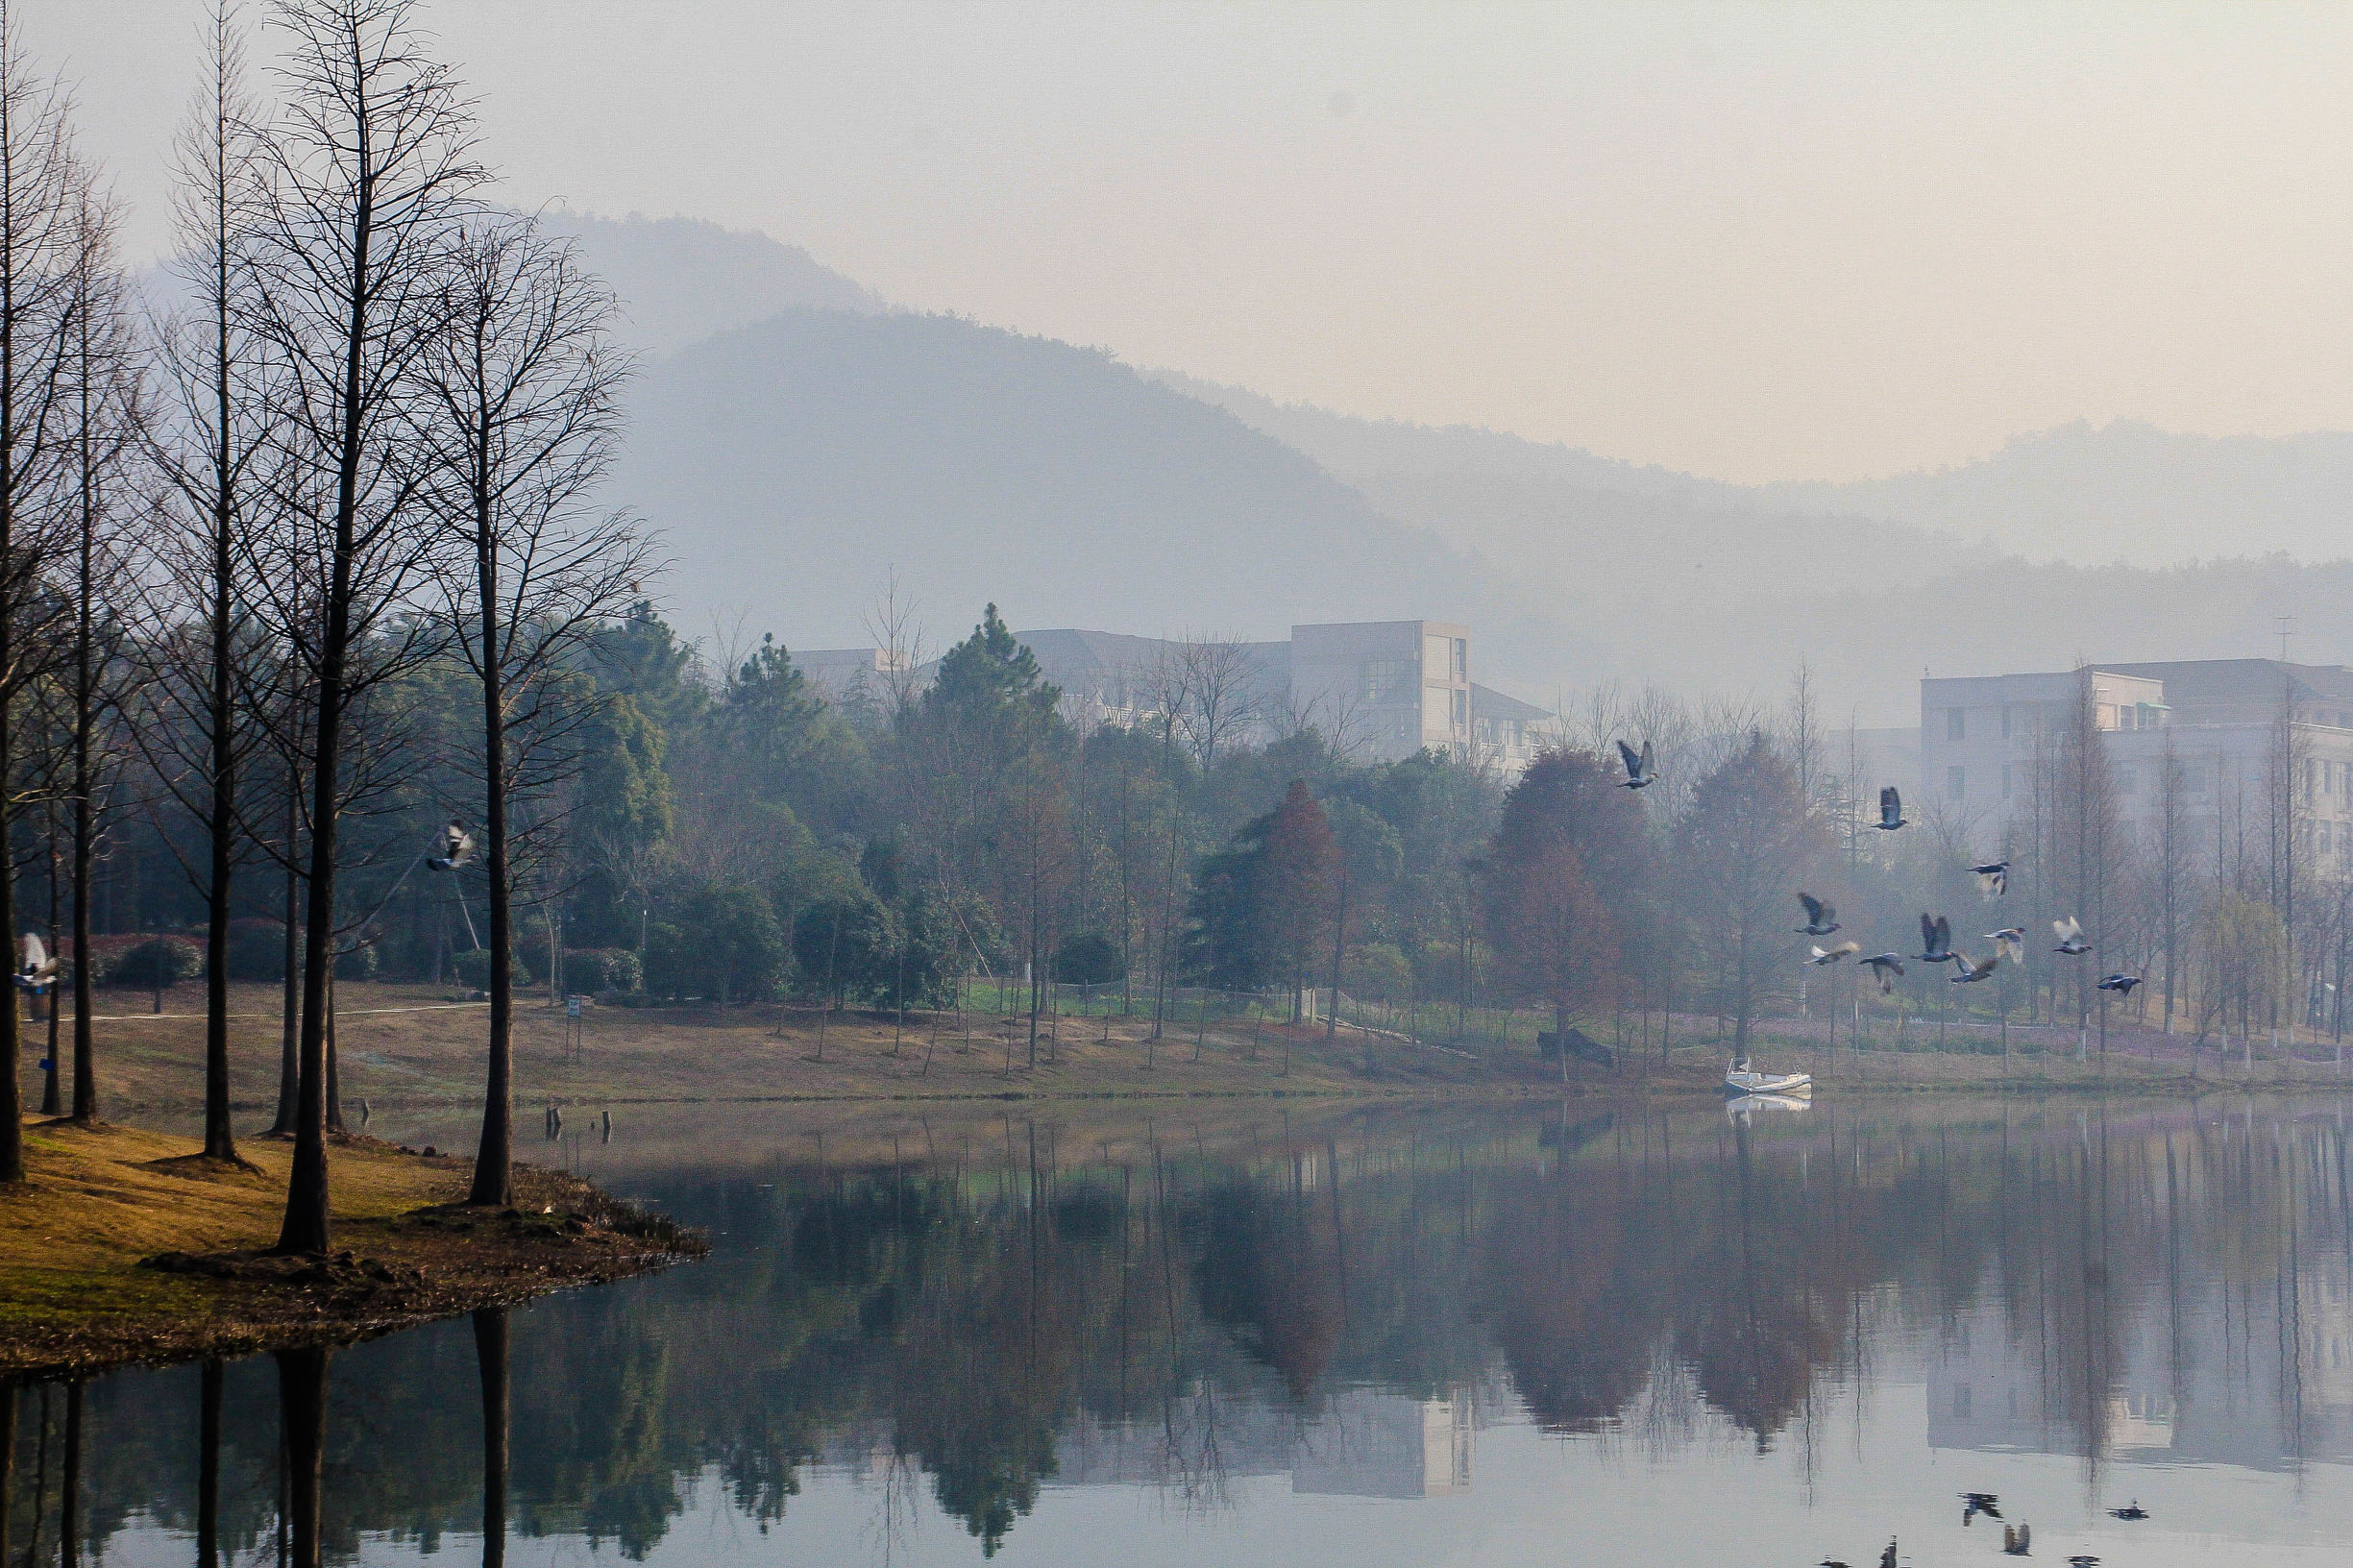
(81, 1236)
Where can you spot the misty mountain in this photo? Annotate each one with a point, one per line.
(1615, 539)
(682, 279)
(2123, 491)
(792, 465)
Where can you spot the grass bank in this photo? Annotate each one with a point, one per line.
(420, 1047)
(129, 1245)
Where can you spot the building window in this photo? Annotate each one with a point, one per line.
(1389, 680)
(1956, 723)
(1462, 710)
(1956, 782)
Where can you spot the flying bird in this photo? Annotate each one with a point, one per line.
(457, 847)
(1993, 878)
(2015, 1541)
(38, 970)
(1887, 1559)
(2133, 1511)
(1975, 968)
(2071, 937)
(2083, 1560)
(1641, 770)
(1935, 940)
(1891, 811)
(1831, 955)
(2121, 984)
(1821, 919)
(1884, 967)
(1974, 1504)
(2009, 944)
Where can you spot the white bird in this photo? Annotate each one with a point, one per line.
(1831, 955)
(2009, 944)
(1821, 919)
(1975, 968)
(1884, 967)
(1891, 811)
(2071, 937)
(39, 971)
(457, 847)
(1993, 878)
(1642, 770)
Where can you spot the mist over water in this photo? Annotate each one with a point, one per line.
(1498, 1335)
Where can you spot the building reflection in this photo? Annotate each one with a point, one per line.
(1343, 1309)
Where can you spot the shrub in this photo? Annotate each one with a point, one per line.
(602, 968)
(851, 940)
(359, 964)
(473, 969)
(136, 964)
(1089, 959)
(256, 949)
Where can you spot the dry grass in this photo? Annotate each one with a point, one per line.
(99, 1200)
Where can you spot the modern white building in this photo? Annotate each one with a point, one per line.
(1382, 689)
(2235, 729)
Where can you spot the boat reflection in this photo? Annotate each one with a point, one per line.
(988, 1310)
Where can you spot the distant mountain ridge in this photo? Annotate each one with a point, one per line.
(793, 464)
(682, 279)
(795, 453)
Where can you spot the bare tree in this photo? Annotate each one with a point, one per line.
(362, 181)
(102, 371)
(519, 427)
(194, 741)
(38, 210)
(1220, 682)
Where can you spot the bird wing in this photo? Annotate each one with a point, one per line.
(34, 953)
(1633, 763)
(1891, 803)
(1944, 935)
(1649, 764)
(1813, 908)
(2069, 929)
(1927, 933)
(1845, 947)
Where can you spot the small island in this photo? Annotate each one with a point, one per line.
(126, 1245)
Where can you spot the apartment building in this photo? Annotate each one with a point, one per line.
(2232, 728)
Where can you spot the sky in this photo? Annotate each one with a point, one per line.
(1754, 242)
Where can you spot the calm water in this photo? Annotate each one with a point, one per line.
(1501, 1336)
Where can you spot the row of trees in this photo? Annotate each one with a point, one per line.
(304, 537)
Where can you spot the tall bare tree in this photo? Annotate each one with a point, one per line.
(519, 428)
(102, 374)
(194, 741)
(365, 177)
(39, 210)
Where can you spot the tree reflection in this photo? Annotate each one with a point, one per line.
(1170, 1311)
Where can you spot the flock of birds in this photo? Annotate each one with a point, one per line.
(2017, 1540)
(1935, 931)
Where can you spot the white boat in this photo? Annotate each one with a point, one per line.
(1739, 1080)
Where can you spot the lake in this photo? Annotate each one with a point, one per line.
(1212, 1333)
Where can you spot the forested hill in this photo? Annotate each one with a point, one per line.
(793, 464)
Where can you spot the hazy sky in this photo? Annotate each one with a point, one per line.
(1761, 241)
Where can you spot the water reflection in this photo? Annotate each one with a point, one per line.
(958, 1315)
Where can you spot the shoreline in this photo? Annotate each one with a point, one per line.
(125, 1246)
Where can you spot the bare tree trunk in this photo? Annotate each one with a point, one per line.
(493, 1155)
(289, 1027)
